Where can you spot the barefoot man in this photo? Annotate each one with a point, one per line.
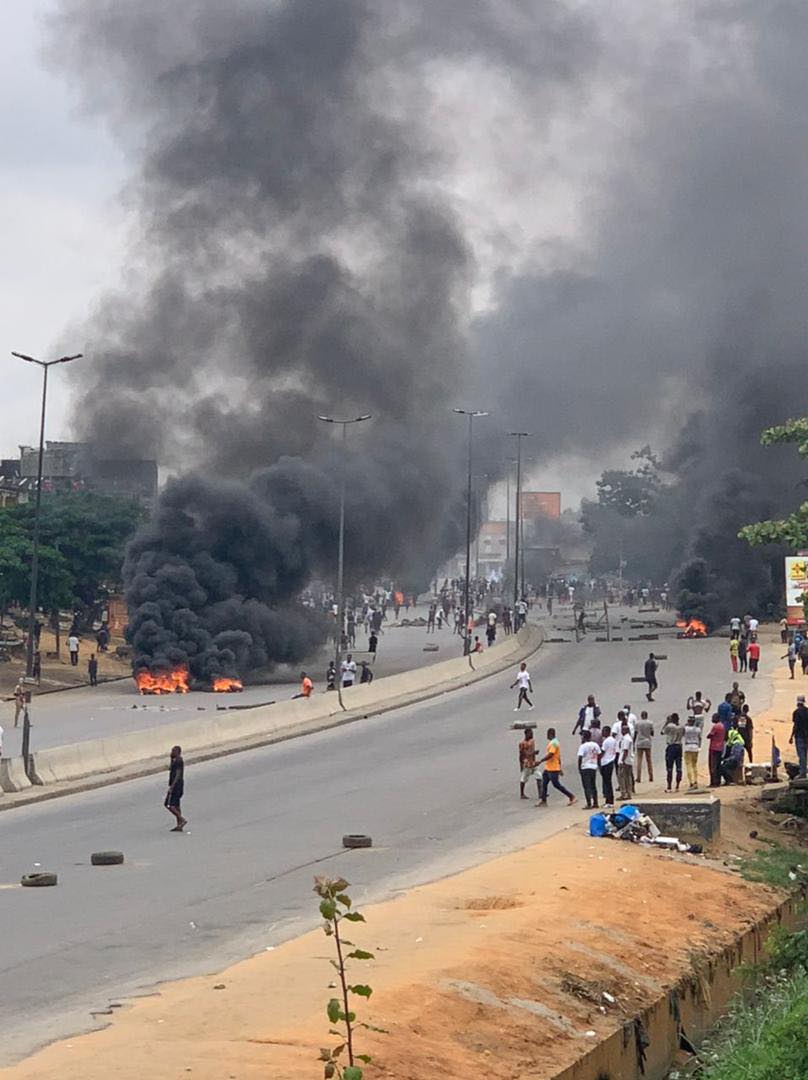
(176, 784)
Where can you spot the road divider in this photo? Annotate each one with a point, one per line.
(96, 762)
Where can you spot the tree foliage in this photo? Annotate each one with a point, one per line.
(631, 492)
(791, 530)
(82, 540)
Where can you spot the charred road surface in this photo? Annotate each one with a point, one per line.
(435, 784)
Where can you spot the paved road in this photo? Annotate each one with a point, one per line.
(435, 784)
(116, 707)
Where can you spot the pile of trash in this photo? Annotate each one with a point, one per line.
(628, 823)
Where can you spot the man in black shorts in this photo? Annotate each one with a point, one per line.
(176, 781)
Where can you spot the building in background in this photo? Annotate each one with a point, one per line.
(68, 466)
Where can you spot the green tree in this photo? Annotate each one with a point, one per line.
(791, 530)
(90, 532)
(631, 493)
(56, 582)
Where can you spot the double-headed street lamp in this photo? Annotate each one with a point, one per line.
(29, 656)
(471, 414)
(518, 435)
(341, 557)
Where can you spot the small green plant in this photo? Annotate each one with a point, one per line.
(336, 908)
(775, 865)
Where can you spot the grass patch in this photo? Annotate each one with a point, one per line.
(776, 865)
(764, 1039)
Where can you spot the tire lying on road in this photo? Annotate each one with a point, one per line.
(38, 880)
(356, 840)
(106, 858)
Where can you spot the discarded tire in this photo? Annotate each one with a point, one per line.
(106, 858)
(38, 880)
(356, 840)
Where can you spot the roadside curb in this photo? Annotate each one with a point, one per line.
(152, 765)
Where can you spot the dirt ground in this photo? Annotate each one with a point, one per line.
(58, 674)
(497, 972)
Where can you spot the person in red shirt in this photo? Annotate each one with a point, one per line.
(753, 654)
(716, 740)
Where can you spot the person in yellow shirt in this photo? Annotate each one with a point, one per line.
(733, 653)
(552, 770)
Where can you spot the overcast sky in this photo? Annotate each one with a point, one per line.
(59, 219)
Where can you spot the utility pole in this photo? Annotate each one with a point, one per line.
(518, 435)
(341, 546)
(32, 602)
(471, 414)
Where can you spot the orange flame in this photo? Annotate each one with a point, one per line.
(165, 682)
(227, 686)
(693, 628)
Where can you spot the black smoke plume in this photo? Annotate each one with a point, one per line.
(587, 218)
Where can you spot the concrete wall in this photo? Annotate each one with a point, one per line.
(693, 819)
(243, 728)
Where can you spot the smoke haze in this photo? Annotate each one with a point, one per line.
(586, 218)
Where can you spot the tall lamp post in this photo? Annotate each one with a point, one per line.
(29, 655)
(471, 414)
(341, 556)
(518, 435)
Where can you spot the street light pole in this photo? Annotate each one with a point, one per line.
(471, 414)
(341, 548)
(518, 435)
(32, 602)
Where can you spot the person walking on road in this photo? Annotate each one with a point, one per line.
(691, 745)
(19, 702)
(799, 734)
(753, 652)
(73, 649)
(331, 676)
(527, 764)
(804, 655)
(522, 680)
(716, 741)
(608, 757)
(674, 731)
(552, 770)
(176, 788)
(650, 676)
(643, 744)
(92, 670)
(625, 763)
(367, 673)
(588, 758)
(743, 663)
(791, 657)
(587, 715)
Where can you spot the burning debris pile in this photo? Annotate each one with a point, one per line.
(691, 628)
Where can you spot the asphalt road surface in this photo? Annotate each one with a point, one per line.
(71, 716)
(436, 784)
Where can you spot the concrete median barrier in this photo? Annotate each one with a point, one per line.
(12, 775)
(99, 761)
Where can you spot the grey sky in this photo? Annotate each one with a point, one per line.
(59, 219)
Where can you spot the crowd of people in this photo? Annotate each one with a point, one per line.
(611, 757)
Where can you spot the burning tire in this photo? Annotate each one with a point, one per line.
(356, 840)
(39, 880)
(106, 858)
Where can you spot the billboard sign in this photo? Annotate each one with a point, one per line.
(796, 585)
(547, 503)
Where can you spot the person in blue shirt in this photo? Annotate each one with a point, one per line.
(726, 712)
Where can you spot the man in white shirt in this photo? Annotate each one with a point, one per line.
(735, 626)
(348, 669)
(588, 757)
(608, 756)
(631, 718)
(625, 763)
(753, 625)
(522, 680)
(73, 646)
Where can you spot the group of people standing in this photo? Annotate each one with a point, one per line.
(744, 647)
(614, 756)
